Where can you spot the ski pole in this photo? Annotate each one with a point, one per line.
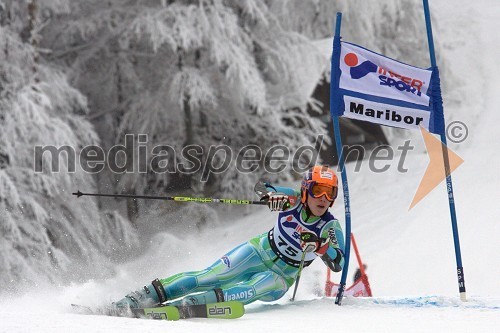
(308, 248)
(175, 198)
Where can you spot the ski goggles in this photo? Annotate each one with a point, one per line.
(317, 190)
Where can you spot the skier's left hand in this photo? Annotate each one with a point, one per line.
(309, 242)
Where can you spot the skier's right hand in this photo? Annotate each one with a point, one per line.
(276, 201)
(309, 242)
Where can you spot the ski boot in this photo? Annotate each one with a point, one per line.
(150, 295)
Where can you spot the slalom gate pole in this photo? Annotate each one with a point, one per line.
(361, 268)
(358, 257)
(328, 283)
(175, 198)
(438, 105)
(334, 105)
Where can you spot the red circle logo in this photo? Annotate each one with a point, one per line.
(351, 59)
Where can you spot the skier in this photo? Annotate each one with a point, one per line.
(266, 266)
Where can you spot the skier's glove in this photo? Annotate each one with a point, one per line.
(309, 242)
(276, 201)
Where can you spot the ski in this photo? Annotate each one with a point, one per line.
(160, 312)
(220, 310)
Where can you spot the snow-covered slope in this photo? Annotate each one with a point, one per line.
(410, 255)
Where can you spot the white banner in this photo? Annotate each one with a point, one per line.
(384, 114)
(369, 73)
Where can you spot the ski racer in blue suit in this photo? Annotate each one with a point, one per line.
(266, 266)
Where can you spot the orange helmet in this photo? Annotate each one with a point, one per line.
(318, 181)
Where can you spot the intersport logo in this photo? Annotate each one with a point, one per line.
(387, 77)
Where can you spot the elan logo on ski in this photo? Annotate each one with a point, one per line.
(218, 311)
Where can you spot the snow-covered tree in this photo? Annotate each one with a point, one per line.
(45, 235)
(185, 72)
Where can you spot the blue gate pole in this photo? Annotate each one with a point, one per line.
(438, 105)
(334, 105)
